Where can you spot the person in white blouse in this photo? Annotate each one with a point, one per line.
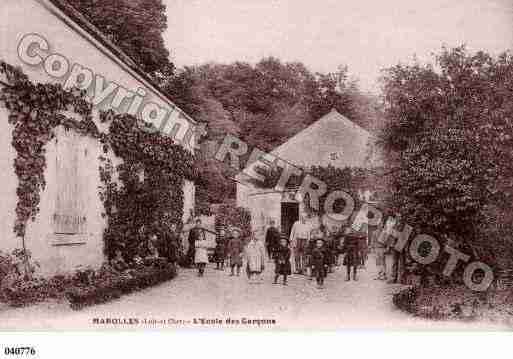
(299, 237)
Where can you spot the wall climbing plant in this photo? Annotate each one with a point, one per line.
(35, 110)
(148, 192)
(145, 190)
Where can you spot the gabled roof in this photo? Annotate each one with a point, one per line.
(75, 19)
(332, 140)
(331, 134)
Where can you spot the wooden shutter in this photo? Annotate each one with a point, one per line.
(69, 216)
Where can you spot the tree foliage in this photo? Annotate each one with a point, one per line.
(229, 217)
(135, 26)
(263, 104)
(449, 140)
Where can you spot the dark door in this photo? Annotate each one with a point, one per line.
(289, 215)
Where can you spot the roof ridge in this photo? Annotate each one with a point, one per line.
(346, 120)
(82, 22)
(316, 123)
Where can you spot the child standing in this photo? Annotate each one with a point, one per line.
(255, 259)
(220, 249)
(315, 234)
(235, 251)
(282, 260)
(352, 252)
(201, 254)
(319, 262)
(328, 248)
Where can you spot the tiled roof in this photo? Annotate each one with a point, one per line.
(331, 140)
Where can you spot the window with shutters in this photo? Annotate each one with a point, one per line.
(70, 210)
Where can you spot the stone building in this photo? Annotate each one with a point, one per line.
(333, 140)
(37, 35)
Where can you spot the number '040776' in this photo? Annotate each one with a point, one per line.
(19, 351)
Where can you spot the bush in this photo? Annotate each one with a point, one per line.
(239, 217)
(448, 170)
(108, 285)
(85, 287)
(444, 302)
(18, 287)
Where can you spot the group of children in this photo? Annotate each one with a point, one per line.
(322, 253)
(229, 250)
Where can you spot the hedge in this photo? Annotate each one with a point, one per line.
(112, 288)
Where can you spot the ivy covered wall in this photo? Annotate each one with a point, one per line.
(143, 190)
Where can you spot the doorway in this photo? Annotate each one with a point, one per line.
(289, 215)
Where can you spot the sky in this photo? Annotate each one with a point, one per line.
(365, 35)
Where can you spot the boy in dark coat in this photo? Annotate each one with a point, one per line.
(236, 247)
(352, 258)
(272, 239)
(169, 246)
(329, 246)
(220, 249)
(319, 262)
(282, 260)
(315, 234)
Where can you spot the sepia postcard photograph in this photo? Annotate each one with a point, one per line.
(255, 165)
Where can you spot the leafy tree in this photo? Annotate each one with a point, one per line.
(449, 139)
(136, 26)
(263, 104)
(230, 217)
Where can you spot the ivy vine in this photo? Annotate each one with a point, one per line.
(35, 110)
(148, 189)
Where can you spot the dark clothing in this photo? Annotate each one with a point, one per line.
(319, 277)
(235, 251)
(220, 250)
(282, 261)
(319, 259)
(330, 251)
(227, 247)
(173, 250)
(168, 247)
(351, 248)
(195, 234)
(272, 241)
(309, 251)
